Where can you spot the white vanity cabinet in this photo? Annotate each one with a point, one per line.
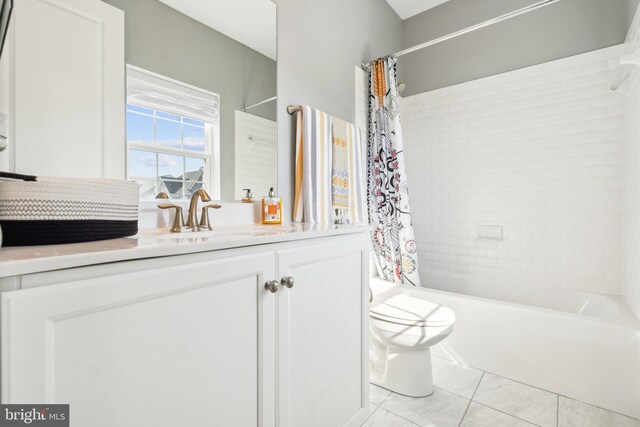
(196, 340)
(162, 347)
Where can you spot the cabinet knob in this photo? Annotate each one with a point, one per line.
(272, 286)
(287, 281)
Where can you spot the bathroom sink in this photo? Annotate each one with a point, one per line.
(229, 231)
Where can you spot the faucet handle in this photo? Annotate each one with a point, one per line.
(178, 221)
(204, 218)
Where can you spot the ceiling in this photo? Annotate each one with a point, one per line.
(408, 8)
(250, 22)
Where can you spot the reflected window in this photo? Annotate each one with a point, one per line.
(167, 152)
(173, 132)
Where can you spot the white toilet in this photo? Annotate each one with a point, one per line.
(404, 325)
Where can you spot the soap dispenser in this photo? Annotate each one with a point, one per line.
(248, 197)
(271, 208)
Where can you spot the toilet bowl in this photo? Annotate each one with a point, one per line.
(403, 326)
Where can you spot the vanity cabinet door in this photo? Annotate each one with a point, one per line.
(69, 89)
(322, 334)
(175, 346)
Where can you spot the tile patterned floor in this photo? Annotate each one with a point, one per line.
(468, 397)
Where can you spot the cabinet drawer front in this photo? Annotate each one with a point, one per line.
(322, 334)
(180, 345)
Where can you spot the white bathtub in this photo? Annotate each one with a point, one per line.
(579, 344)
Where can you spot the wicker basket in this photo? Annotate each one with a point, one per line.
(47, 210)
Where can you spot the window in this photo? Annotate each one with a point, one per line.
(166, 152)
(171, 136)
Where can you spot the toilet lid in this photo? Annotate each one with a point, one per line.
(410, 310)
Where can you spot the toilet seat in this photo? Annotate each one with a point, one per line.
(410, 310)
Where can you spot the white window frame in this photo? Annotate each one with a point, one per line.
(211, 154)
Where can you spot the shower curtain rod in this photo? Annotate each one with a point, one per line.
(259, 103)
(467, 30)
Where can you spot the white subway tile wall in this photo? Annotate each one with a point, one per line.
(256, 156)
(538, 151)
(631, 205)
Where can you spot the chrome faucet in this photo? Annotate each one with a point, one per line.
(192, 221)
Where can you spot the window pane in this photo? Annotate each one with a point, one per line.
(193, 138)
(167, 116)
(147, 188)
(177, 175)
(192, 187)
(168, 133)
(194, 169)
(142, 164)
(193, 122)
(172, 187)
(139, 109)
(139, 128)
(170, 166)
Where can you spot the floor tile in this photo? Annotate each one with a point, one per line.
(383, 418)
(440, 409)
(482, 416)
(572, 413)
(520, 400)
(377, 394)
(458, 379)
(372, 408)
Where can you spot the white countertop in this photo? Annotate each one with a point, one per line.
(151, 243)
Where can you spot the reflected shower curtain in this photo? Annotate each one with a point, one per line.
(394, 245)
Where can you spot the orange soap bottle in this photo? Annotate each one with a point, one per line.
(271, 208)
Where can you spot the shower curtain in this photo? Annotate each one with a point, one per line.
(394, 244)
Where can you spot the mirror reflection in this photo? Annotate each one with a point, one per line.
(201, 96)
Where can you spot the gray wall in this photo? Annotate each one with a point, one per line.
(162, 40)
(319, 45)
(566, 28)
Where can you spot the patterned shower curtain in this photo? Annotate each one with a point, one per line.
(394, 245)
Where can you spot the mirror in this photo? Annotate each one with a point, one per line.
(201, 96)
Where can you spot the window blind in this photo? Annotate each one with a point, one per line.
(153, 91)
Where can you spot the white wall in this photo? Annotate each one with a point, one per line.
(537, 151)
(631, 236)
(256, 155)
